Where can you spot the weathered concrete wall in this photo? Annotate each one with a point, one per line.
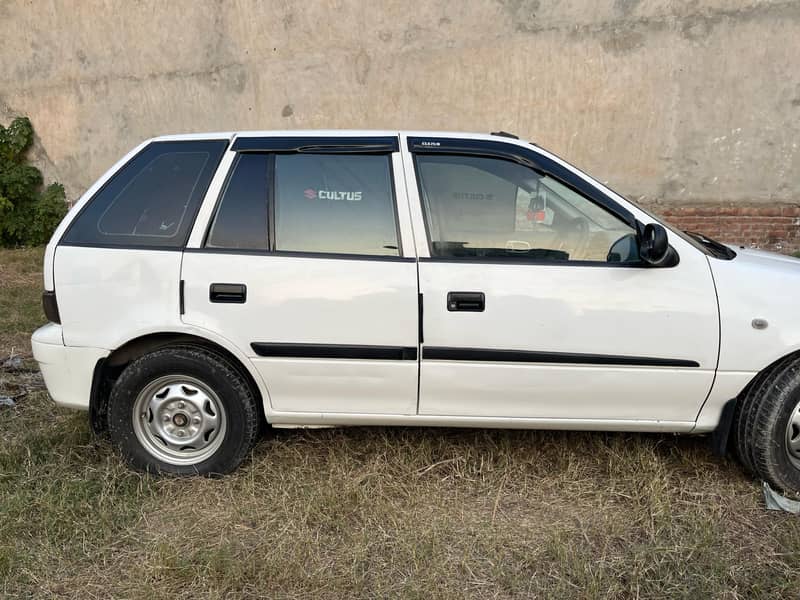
(672, 102)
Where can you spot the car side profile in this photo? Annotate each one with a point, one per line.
(208, 285)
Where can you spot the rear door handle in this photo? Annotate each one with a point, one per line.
(466, 301)
(228, 293)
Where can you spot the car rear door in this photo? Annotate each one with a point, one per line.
(306, 263)
(535, 303)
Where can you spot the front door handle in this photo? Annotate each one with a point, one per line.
(228, 293)
(466, 301)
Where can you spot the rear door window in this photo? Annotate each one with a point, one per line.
(335, 203)
(152, 201)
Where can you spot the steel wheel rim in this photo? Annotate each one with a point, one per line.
(179, 420)
(793, 436)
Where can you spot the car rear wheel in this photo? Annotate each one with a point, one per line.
(767, 428)
(183, 410)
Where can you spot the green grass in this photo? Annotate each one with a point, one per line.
(20, 298)
(374, 512)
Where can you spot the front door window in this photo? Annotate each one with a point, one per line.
(480, 207)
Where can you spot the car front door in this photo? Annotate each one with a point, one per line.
(307, 265)
(535, 303)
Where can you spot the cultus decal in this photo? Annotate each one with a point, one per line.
(472, 196)
(312, 194)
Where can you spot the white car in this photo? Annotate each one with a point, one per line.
(209, 284)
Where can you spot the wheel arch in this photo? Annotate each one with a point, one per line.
(793, 355)
(108, 369)
(721, 439)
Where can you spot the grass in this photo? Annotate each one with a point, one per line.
(373, 512)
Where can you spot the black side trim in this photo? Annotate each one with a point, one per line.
(526, 156)
(334, 351)
(317, 145)
(182, 297)
(490, 355)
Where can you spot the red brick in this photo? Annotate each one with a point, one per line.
(774, 226)
(770, 211)
(726, 211)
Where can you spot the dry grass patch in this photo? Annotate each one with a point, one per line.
(20, 298)
(376, 512)
(451, 513)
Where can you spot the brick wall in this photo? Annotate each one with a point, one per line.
(773, 227)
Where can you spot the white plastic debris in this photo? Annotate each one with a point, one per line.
(776, 501)
(12, 363)
(7, 401)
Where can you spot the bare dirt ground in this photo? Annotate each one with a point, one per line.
(372, 512)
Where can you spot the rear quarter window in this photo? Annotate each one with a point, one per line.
(152, 201)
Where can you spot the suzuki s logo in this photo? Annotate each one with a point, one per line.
(312, 194)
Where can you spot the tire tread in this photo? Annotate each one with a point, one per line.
(756, 429)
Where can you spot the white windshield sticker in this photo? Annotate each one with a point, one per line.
(313, 194)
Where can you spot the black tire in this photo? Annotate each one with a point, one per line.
(761, 423)
(739, 428)
(237, 414)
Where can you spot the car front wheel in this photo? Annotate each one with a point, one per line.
(183, 410)
(767, 431)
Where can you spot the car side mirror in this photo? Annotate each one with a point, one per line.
(654, 248)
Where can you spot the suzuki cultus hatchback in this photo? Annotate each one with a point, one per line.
(208, 284)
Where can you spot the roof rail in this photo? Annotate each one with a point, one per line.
(505, 134)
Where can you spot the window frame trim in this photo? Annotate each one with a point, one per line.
(519, 155)
(525, 157)
(296, 148)
(381, 144)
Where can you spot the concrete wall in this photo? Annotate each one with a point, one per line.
(674, 103)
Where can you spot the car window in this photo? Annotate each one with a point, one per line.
(334, 203)
(241, 219)
(491, 208)
(152, 200)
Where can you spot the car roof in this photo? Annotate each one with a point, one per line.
(328, 133)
